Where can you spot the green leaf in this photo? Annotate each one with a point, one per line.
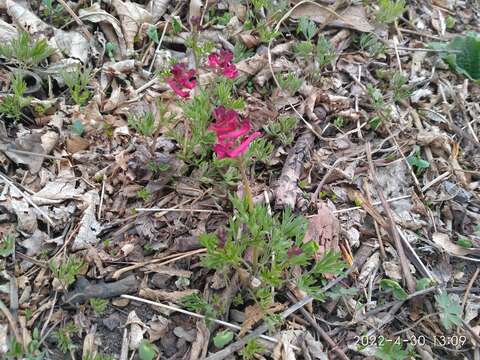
(390, 350)
(464, 242)
(7, 246)
(329, 263)
(147, 351)
(395, 287)
(450, 310)
(422, 284)
(153, 34)
(223, 338)
(463, 55)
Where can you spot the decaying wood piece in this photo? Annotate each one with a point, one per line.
(84, 290)
(287, 189)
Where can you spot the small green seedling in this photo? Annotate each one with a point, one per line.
(223, 338)
(77, 82)
(11, 105)
(98, 305)
(63, 336)
(144, 194)
(465, 242)
(7, 245)
(370, 44)
(324, 51)
(252, 348)
(283, 129)
(391, 285)
(153, 34)
(143, 124)
(68, 269)
(390, 10)
(290, 82)
(391, 350)
(450, 310)
(147, 351)
(25, 51)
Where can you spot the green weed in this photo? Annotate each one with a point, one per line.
(290, 82)
(389, 10)
(370, 44)
(63, 336)
(144, 194)
(11, 105)
(98, 305)
(68, 269)
(7, 246)
(283, 129)
(252, 348)
(77, 82)
(25, 51)
(144, 124)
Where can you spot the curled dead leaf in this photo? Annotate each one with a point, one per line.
(323, 228)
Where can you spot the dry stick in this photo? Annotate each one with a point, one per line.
(77, 19)
(469, 286)
(186, 312)
(404, 263)
(27, 198)
(375, 223)
(179, 210)
(320, 331)
(230, 349)
(24, 152)
(11, 321)
(172, 258)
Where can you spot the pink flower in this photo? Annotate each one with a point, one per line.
(232, 133)
(294, 251)
(223, 61)
(181, 79)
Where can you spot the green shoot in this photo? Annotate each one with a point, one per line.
(67, 271)
(283, 129)
(7, 246)
(240, 52)
(63, 336)
(400, 88)
(450, 310)
(303, 49)
(199, 305)
(325, 52)
(370, 44)
(98, 305)
(77, 82)
(265, 33)
(25, 51)
(144, 194)
(306, 27)
(290, 82)
(389, 10)
(11, 105)
(110, 49)
(398, 292)
(251, 349)
(153, 34)
(260, 150)
(143, 124)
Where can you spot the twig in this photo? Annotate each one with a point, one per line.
(11, 321)
(320, 331)
(159, 44)
(101, 199)
(27, 198)
(162, 261)
(77, 19)
(404, 263)
(186, 312)
(340, 211)
(179, 210)
(469, 286)
(24, 152)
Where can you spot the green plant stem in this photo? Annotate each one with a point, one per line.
(246, 184)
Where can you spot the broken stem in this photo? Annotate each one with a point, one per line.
(246, 183)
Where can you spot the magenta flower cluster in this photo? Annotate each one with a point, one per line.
(181, 80)
(233, 133)
(222, 61)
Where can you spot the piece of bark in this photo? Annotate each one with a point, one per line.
(287, 190)
(163, 295)
(324, 229)
(85, 290)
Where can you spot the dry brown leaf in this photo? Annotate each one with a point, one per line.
(157, 8)
(323, 228)
(443, 240)
(132, 16)
(97, 15)
(76, 144)
(354, 17)
(254, 313)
